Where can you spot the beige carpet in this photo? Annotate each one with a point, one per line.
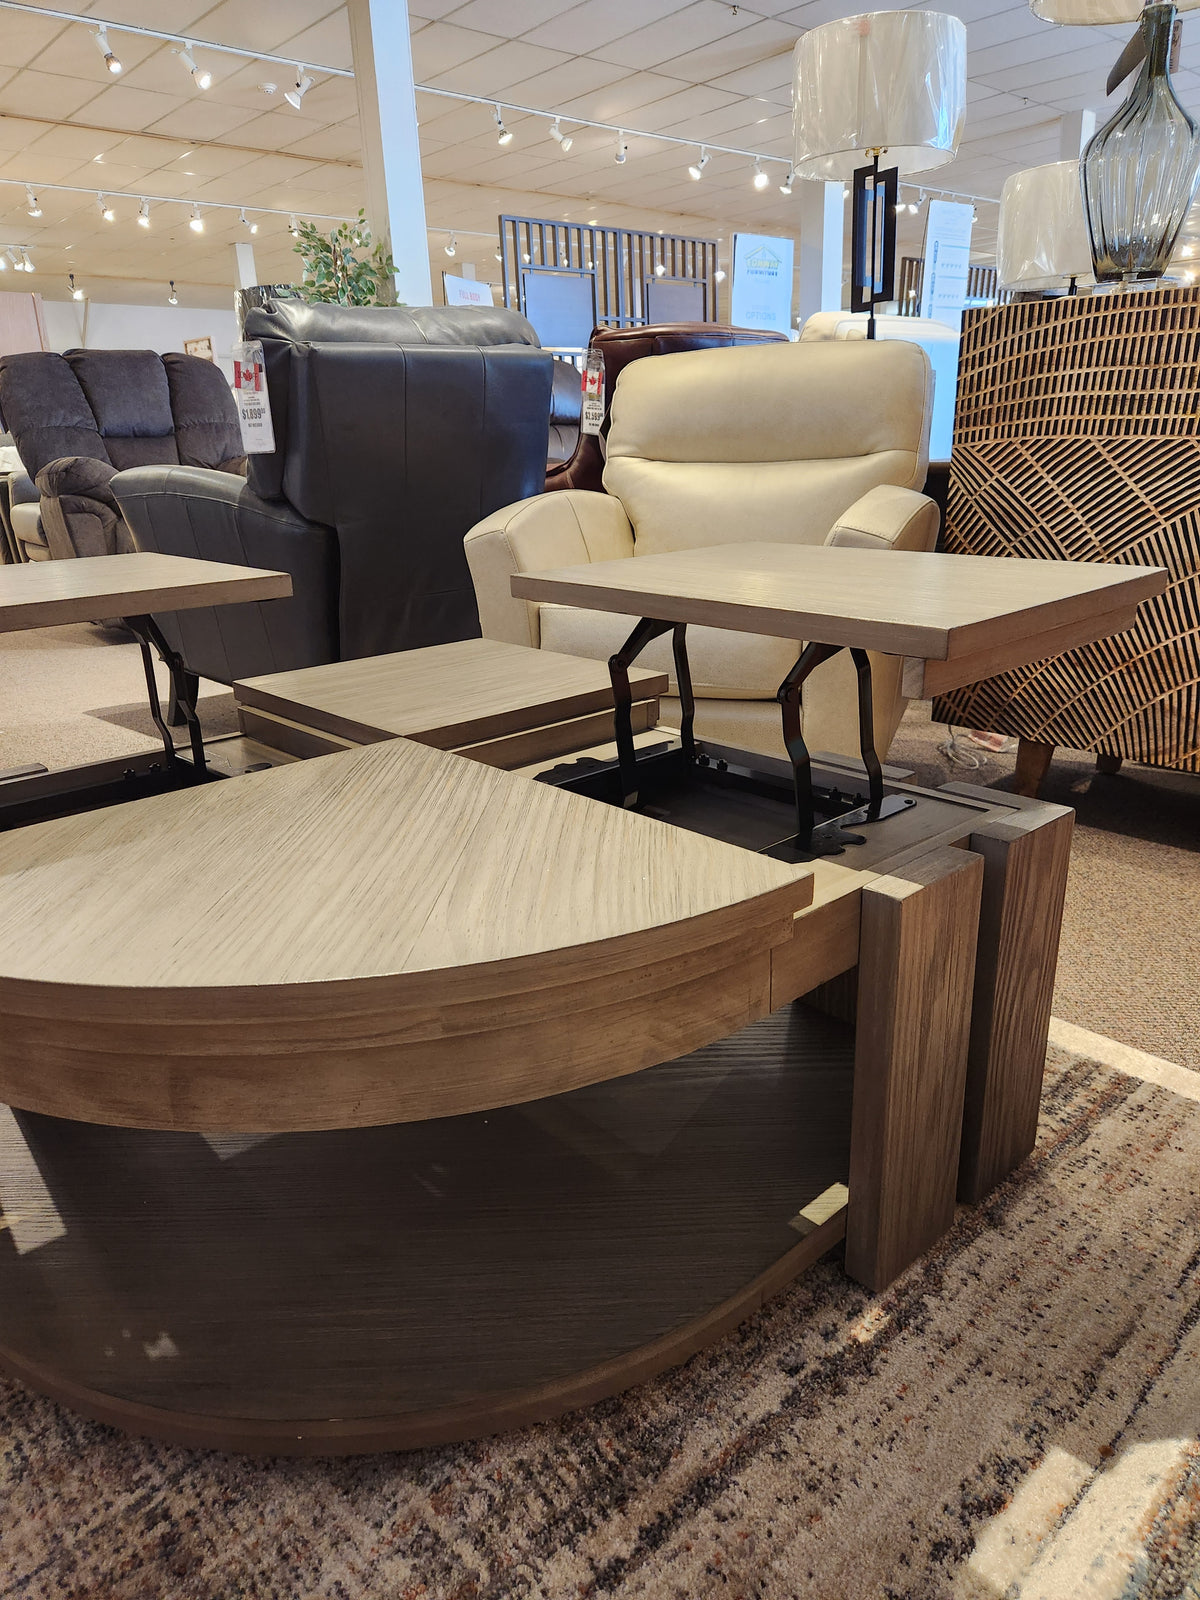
(1016, 1419)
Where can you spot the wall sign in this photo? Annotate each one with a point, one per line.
(947, 261)
(466, 292)
(762, 283)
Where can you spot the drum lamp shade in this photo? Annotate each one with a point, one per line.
(1042, 241)
(895, 81)
(1096, 12)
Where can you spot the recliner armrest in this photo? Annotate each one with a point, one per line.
(78, 475)
(22, 490)
(557, 530)
(888, 518)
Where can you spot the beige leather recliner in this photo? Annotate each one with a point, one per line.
(820, 443)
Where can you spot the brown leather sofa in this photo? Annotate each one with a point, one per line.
(583, 468)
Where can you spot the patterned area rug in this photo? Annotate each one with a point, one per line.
(1016, 1419)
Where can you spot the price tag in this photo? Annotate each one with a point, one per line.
(253, 402)
(591, 416)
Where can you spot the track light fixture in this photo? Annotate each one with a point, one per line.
(696, 170)
(499, 255)
(26, 263)
(111, 60)
(31, 203)
(761, 178)
(622, 149)
(76, 292)
(451, 246)
(660, 268)
(196, 221)
(503, 136)
(786, 186)
(303, 84)
(201, 76)
(293, 226)
(103, 207)
(251, 227)
(143, 216)
(563, 140)
(172, 297)
(4, 260)
(719, 275)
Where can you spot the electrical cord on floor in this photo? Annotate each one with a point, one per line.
(958, 754)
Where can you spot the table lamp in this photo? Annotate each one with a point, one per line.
(888, 83)
(1042, 241)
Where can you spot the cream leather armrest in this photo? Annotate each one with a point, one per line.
(563, 529)
(888, 518)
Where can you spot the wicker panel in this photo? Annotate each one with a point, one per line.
(1078, 437)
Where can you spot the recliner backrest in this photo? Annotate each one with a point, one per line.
(130, 408)
(767, 442)
(401, 428)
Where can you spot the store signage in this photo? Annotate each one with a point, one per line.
(466, 292)
(762, 283)
(947, 261)
(253, 402)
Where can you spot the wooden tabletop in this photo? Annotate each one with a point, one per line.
(381, 935)
(45, 594)
(934, 608)
(446, 695)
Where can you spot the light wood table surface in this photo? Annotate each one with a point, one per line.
(503, 703)
(46, 594)
(954, 618)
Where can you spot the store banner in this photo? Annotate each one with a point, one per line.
(947, 260)
(762, 283)
(466, 292)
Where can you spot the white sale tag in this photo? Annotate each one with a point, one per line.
(253, 402)
(591, 416)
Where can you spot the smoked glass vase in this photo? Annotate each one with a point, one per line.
(1139, 172)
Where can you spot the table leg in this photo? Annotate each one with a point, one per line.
(147, 633)
(618, 670)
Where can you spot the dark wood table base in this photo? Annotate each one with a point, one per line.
(401, 1286)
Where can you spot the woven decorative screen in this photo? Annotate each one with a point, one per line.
(1077, 437)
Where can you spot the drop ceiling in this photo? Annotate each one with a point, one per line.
(703, 70)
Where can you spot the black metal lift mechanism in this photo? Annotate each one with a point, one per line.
(812, 838)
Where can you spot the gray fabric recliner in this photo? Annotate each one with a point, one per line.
(80, 418)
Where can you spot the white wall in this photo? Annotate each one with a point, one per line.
(77, 324)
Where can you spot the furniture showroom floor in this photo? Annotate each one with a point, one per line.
(1015, 1417)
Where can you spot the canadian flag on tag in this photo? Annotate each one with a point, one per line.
(253, 402)
(591, 417)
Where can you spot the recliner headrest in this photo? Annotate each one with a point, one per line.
(299, 322)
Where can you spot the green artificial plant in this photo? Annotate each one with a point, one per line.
(345, 266)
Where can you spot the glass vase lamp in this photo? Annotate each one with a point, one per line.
(1139, 171)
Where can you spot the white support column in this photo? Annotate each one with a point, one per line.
(245, 275)
(822, 223)
(1075, 129)
(387, 114)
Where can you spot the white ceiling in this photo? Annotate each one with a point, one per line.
(698, 69)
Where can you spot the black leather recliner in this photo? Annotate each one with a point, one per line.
(396, 429)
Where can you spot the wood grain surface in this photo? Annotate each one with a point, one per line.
(447, 695)
(902, 602)
(1026, 857)
(381, 935)
(45, 594)
(915, 975)
(422, 1282)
